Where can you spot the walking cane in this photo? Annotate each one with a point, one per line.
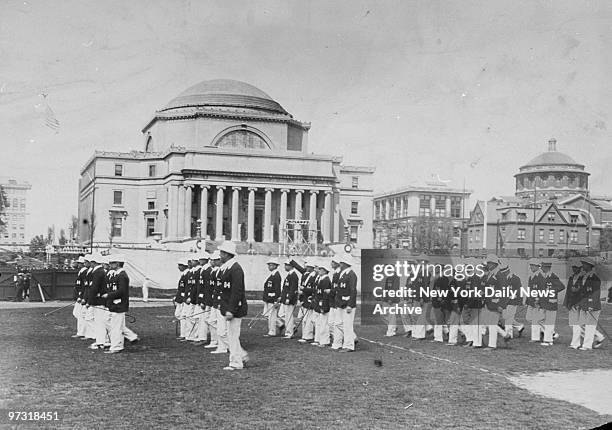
(297, 325)
(259, 317)
(58, 309)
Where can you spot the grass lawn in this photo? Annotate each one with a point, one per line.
(160, 383)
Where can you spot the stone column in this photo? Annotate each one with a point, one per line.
(204, 209)
(235, 203)
(327, 217)
(188, 200)
(432, 205)
(181, 213)
(312, 209)
(298, 214)
(448, 206)
(402, 207)
(219, 214)
(387, 209)
(172, 211)
(283, 214)
(251, 216)
(337, 228)
(267, 237)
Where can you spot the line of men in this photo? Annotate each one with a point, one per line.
(475, 316)
(327, 301)
(211, 302)
(102, 300)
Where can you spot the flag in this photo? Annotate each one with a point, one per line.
(50, 120)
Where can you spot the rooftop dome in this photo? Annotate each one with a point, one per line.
(552, 157)
(225, 93)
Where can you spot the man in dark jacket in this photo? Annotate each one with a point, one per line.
(289, 297)
(590, 305)
(550, 302)
(118, 303)
(180, 298)
(94, 300)
(346, 301)
(78, 295)
(321, 306)
(233, 303)
(271, 296)
(307, 287)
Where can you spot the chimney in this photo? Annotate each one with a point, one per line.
(552, 145)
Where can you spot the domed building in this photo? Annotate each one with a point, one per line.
(224, 160)
(551, 175)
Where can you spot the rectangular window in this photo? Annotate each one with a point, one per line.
(151, 170)
(541, 235)
(574, 236)
(117, 226)
(440, 207)
(561, 236)
(521, 216)
(355, 182)
(354, 208)
(117, 197)
(455, 207)
(150, 226)
(573, 219)
(424, 205)
(118, 169)
(354, 233)
(551, 217)
(21, 236)
(551, 236)
(520, 234)
(151, 205)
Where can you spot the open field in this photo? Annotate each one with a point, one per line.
(160, 383)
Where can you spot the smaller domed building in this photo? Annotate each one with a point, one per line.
(224, 161)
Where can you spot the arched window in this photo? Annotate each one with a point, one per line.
(242, 139)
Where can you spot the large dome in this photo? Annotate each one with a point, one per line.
(225, 93)
(552, 158)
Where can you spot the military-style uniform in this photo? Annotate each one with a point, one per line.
(424, 322)
(203, 309)
(118, 303)
(180, 299)
(95, 301)
(220, 323)
(549, 304)
(391, 283)
(472, 309)
(321, 308)
(288, 300)
(77, 312)
(510, 280)
(452, 311)
(440, 309)
(493, 307)
(346, 301)
(271, 298)
(192, 308)
(334, 316)
(570, 302)
(535, 314)
(590, 306)
(305, 297)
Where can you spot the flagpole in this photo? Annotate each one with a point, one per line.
(535, 191)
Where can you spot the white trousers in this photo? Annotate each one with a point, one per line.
(222, 332)
(271, 311)
(333, 319)
(202, 324)
(100, 317)
(211, 322)
(237, 354)
(115, 325)
(322, 328)
(78, 314)
(308, 324)
(510, 322)
(286, 317)
(192, 322)
(344, 335)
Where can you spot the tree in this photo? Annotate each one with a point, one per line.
(62, 237)
(50, 234)
(431, 234)
(74, 228)
(38, 243)
(3, 205)
(605, 240)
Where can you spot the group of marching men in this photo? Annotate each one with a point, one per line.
(324, 299)
(102, 299)
(474, 316)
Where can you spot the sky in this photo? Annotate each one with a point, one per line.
(467, 90)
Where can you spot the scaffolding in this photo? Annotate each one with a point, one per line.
(299, 238)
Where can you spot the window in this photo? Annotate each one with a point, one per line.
(117, 227)
(456, 232)
(151, 170)
(118, 169)
(477, 236)
(21, 236)
(504, 216)
(117, 197)
(21, 227)
(541, 235)
(354, 208)
(520, 234)
(561, 236)
(574, 236)
(242, 139)
(424, 205)
(551, 217)
(354, 233)
(355, 182)
(455, 207)
(16, 203)
(150, 226)
(521, 216)
(440, 207)
(22, 205)
(551, 236)
(151, 205)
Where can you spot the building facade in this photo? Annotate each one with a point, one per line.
(551, 214)
(420, 217)
(15, 232)
(223, 160)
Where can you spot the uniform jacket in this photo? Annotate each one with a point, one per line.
(181, 290)
(494, 281)
(289, 293)
(335, 277)
(551, 283)
(233, 293)
(590, 293)
(574, 286)
(440, 284)
(215, 286)
(272, 288)
(191, 285)
(79, 284)
(321, 298)
(535, 282)
(118, 299)
(514, 283)
(204, 290)
(97, 287)
(347, 289)
(307, 288)
(474, 283)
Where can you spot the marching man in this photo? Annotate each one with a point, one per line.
(233, 304)
(271, 296)
(289, 296)
(590, 305)
(216, 322)
(549, 303)
(117, 301)
(95, 302)
(307, 288)
(78, 295)
(179, 299)
(346, 301)
(535, 314)
(202, 286)
(572, 299)
(321, 307)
